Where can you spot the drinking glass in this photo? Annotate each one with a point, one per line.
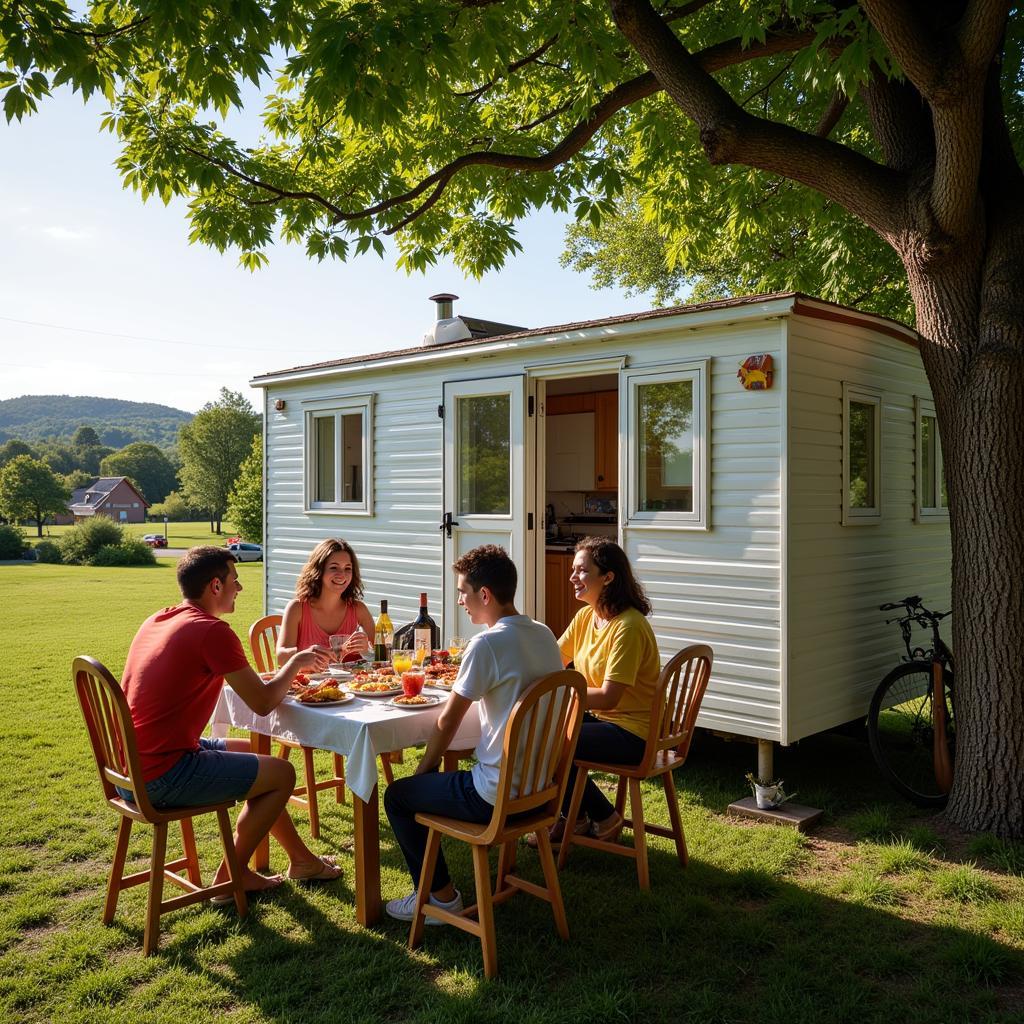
(401, 661)
(457, 645)
(338, 641)
(412, 682)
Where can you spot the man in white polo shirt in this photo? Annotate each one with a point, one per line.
(497, 666)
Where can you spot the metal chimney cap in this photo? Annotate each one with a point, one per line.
(443, 297)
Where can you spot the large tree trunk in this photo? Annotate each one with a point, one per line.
(970, 309)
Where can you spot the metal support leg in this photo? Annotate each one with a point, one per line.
(765, 759)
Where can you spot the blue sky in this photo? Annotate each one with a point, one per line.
(101, 294)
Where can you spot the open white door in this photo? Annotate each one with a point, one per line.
(484, 479)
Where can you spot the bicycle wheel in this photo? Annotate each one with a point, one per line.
(901, 733)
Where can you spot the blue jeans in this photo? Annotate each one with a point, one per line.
(601, 741)
(210, 775)
(451, 794)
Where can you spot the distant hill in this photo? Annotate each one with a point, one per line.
(118, 422)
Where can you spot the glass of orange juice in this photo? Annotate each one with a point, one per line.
(401, 661)
(456, 645)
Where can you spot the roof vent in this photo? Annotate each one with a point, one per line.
(448, 327)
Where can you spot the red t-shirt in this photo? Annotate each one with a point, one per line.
(172, 679)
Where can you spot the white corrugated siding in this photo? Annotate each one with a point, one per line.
(838, 644)
(721, 586)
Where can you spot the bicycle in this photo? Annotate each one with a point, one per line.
(911, 728)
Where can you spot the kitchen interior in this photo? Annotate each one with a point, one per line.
(582, 480)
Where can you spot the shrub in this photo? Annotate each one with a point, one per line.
(47, 551)
(80, 545)
(131, 551)
(12, 543)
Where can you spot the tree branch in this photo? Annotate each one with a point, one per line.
(950, 71)
(713, 58)
(832, 114)
(900, 121)
(731, 135)
(475, 94)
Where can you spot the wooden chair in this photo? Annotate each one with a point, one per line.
(539, 742)
(263, 644)
(112, 734)
(680, 690)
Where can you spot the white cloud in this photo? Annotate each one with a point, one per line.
(62, 234)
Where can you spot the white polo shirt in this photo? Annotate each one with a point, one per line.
(497, 666)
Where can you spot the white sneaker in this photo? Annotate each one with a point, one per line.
(404, 908)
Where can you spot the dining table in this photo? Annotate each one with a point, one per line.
(359, 729)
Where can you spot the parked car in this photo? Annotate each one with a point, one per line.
(155, 540)
(246, 552)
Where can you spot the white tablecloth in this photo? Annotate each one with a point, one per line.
(360, 730)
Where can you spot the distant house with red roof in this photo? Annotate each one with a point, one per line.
(115, 497)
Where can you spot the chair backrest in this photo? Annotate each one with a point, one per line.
(263, 642)
(111, 732)
(680, 690)
(540, 740)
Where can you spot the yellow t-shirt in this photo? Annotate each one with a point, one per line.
(623, 651)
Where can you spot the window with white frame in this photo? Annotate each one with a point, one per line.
(667, 457)
(862, 455)
(932, 502)
(339, 455)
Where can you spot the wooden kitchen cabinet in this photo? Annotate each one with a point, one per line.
(560, 603)
(606, 440)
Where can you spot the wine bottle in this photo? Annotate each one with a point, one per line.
(383, 635)
(421, 634)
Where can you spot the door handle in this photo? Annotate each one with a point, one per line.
(447, 523)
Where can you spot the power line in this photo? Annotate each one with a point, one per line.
(140, 337)
(131, 373)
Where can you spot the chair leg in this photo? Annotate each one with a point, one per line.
(339, 773)
(385, 764)
(677, 822)
(309, 772)
(620, 796)
(124, 831)
(485, 910)
(231, 859)
(188, 842)
(547, 860)
(506, 865)
(423, 892)
(284, 751)
(151, 937)
(574, 813)
(636, 807)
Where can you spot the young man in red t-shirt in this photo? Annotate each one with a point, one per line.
(177, 664)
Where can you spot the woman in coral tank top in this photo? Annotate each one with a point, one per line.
(327, 601)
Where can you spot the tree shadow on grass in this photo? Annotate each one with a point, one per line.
(706, 944)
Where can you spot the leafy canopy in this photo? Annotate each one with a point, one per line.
(213, 447)
(29, 489)
(443, 122)
(245, 502)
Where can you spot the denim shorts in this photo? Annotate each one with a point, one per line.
(210, 775)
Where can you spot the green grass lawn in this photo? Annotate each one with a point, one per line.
(883, 915)
(179, 535)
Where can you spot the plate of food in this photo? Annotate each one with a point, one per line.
(420, 700)
(322, 696)
(386, 686)
(442, 677)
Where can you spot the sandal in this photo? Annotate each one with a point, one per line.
(557, 830)
(223, 901)
(329, 871)
(610, 832)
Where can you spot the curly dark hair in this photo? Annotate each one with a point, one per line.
(625, 590)
(489, 566)
(311, 579)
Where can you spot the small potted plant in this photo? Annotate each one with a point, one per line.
(768, 792)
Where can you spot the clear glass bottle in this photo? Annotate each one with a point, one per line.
(383, 635)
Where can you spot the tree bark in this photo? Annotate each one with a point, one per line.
(970, 311)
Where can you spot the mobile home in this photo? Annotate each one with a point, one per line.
(770, 464)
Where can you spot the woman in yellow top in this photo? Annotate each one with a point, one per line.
(612, 644)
